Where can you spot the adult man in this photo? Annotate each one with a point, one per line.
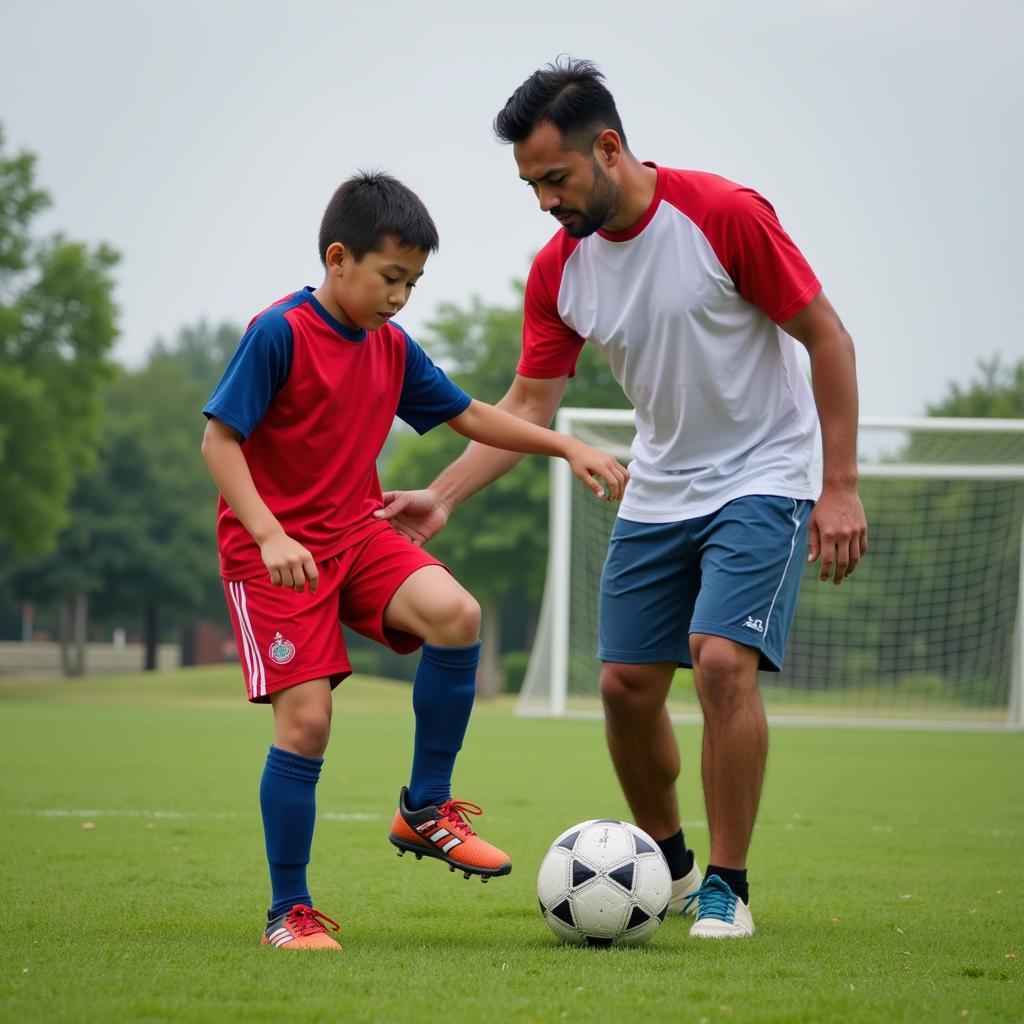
(693, 291)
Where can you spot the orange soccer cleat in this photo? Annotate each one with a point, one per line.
(443, 832)
(301, 927)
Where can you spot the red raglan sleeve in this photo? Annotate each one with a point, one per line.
(550, 346)
(762, 260)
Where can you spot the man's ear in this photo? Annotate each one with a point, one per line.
(608, 147)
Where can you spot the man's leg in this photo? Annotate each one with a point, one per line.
(642, 743)
(734, 753)
(649, 584)
(735, 743)
(645, 754)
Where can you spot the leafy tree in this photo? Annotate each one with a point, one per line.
(140, 538)
(998, 391)
(201, 350)
(168, 560)
(496, 545)
(56, 327)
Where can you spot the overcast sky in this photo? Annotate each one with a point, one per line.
(203, 140)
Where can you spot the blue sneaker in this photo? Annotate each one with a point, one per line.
(721, 914)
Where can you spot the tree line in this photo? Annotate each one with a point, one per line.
(108, 516)
(109, 513)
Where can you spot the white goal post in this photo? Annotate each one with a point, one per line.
(927, 633)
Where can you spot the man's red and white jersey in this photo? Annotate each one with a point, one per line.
(685, 305)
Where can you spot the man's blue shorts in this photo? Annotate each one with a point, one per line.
(734, 573)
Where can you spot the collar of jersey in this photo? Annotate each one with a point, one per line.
(659, 191)
(335, 325)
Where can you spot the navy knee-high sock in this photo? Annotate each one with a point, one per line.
(288, 803)
(442, 700)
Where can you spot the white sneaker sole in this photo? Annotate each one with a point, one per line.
(713, 928)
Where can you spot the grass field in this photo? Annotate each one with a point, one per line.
(886, 872)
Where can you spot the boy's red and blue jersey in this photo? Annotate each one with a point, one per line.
(314, 401)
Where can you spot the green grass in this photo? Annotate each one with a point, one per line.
(913, 697)
(885, 872)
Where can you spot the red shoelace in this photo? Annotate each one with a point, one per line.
(305, 920)
(456, 811)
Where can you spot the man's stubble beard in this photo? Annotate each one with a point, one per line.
(603, 204)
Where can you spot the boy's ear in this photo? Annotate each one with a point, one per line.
(336, 257)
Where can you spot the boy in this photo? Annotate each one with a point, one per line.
(294, 430)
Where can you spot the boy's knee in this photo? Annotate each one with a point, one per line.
(307, 730)
(454, 621)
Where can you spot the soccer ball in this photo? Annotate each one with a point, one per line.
(604, 883)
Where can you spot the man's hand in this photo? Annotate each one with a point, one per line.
(588, 463)
(838, 532)
(418, 515)
(289, 563)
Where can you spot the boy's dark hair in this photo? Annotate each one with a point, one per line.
(370, 207)
(571, 94)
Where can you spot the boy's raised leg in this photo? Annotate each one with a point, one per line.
(431, 605)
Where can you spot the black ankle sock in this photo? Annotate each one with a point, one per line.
(735, 878)
(680, 859)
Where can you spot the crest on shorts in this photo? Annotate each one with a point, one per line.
(281, 651)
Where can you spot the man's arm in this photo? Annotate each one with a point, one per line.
(838, 528)
(529, 398)
(499, 428)
(422, 514)
(288, 562)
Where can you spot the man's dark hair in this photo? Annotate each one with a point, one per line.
(571, 94)
(369, 208)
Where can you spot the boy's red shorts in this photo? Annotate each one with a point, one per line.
(286, 637)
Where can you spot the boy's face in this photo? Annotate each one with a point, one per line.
(366, 293)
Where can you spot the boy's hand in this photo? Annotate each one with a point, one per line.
(289, 563)
(588, 463)
(418, 515)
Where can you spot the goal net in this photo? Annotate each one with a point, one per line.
(928, 629)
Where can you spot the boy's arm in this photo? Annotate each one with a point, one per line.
(287, 561)
(499, 429)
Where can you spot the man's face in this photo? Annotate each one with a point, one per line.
(372, 290)
(572, 186)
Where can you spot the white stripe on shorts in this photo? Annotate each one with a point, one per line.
(792, 548)
(246, 650)
(257, 682)
(260, 682)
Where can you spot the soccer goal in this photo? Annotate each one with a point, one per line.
(928, 632)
